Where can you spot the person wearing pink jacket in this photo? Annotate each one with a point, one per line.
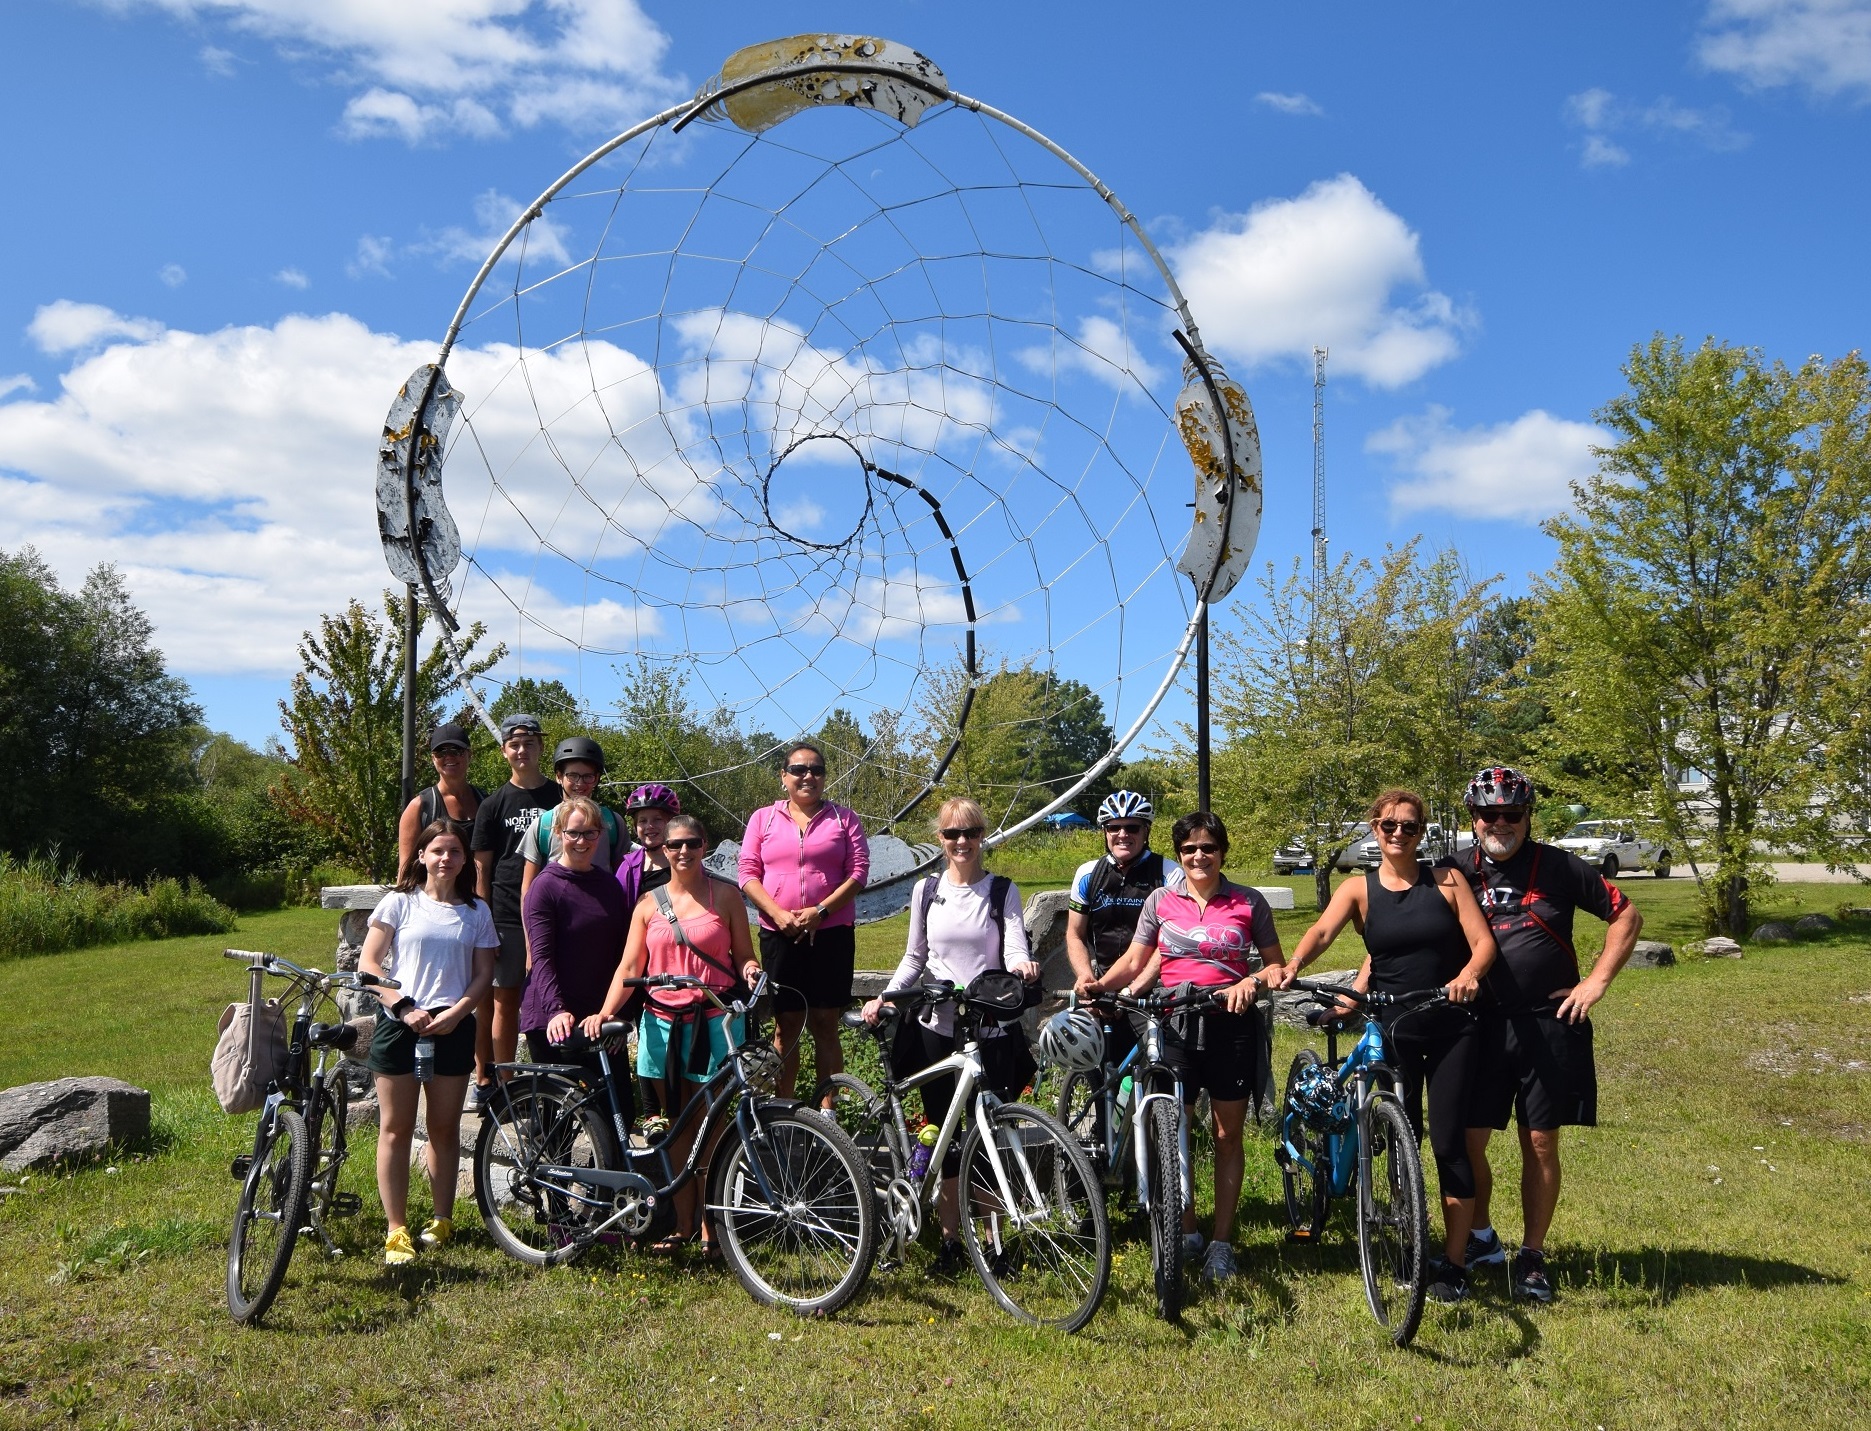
(803, 861)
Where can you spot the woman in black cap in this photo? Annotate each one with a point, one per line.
(450, 798)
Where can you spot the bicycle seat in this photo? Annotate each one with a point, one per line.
(613, 1028)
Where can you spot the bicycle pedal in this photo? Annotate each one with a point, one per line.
(1301, 1234)
(240, 1167)
(345, 1205)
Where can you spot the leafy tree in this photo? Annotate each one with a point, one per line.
(1709, 606)
(1322, 704)
(345, 721)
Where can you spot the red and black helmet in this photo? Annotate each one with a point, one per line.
(1499, 785)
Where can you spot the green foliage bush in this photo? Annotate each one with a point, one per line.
(45, 909)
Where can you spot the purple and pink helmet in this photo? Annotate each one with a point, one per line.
(654, 796)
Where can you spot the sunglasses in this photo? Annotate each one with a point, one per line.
(804, 770)
(1498, 817)
(1126, 829)
(688, 842)
(1406, 828)
(578, 834)
(1198, 849)
(449, 752)
(971, 832)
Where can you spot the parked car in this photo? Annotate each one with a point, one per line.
(1066, 820)
(1293, 857)
(1436, 844)
(1615, 847)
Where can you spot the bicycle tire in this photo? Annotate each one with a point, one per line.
(815, 1255)
(1081, 1108)
(326, 1129)
(1050, 1266)
(863, 1115)
(268, 1217)
(1393, 1228)
(1164, 1157)
(540, 1121)
(1308, 1194)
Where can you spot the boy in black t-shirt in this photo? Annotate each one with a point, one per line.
(501, 827)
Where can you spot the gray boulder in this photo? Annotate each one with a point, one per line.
(1774, 931)
(1652, 954)
(46, 1123)
(1811, 926)
(1290, 1006)
(1720, 947)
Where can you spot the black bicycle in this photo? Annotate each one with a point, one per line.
(289, 1182)
(556, 1169)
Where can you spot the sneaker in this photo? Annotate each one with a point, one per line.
(1218, 1266)
(1485, 1249)
(949, 1261)
(398, 1250)
(480, 1095)
(436, 1232)
(1530, 1279)
(1447, 1282)
(1191, 1246)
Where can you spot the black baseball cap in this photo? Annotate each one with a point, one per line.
(448, 735)
(520, 721)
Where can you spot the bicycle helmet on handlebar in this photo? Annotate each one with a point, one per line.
(1499, 785)
(1125, 805)
(1072, 1040)
(654, 796)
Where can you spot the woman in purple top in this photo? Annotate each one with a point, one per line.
(955, 936)
(803, 861)
(576, 923)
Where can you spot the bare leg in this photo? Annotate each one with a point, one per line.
(1458, 1216)
(1230, 1161)
(948, 1209)
(786, 1027)
(396, 1098)
(506, 1024)
(484, 1039)
(1484, 1175)
(1539, 1183)
(443, 1158)
(826, 1048)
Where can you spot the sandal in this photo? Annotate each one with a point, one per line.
(672, 1244)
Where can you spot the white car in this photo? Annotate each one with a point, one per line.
(1615, 847)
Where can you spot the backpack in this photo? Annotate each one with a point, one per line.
(242, 1067)
(431, 807)
(997, 888)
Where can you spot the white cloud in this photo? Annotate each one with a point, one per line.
(173, 275)
(66, 327)
(17, 383)
(1320, 270)
(292, 278)
(372, 260)
(1521, 470)
(1823, 45)
(1101, 350)
(1600, 114)
(217, 61)
(444, 67)
(1289, 103)
(494, 212)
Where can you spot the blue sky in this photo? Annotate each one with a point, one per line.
(232, 218)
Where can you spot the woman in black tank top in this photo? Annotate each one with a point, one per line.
(1422, 930)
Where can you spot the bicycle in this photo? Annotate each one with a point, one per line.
(556, 1169)
(1035, 1230)
(1344, 1124)
(289, 1182)
(1140, 1120)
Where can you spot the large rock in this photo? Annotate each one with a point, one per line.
(1811, 926)
(1652, 954)
(1774, 931)
(46, 1123)
(1720, 947)
(1290, 1006)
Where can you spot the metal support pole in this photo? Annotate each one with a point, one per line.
(409, 695)
(1201, 711)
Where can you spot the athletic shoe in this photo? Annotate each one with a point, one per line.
(1530, 1279)
(398, 1250)
(1191, 1246)
(480, 1095)
(436, 1232)
(949, 1261)
(1486, 1251)
(1218, 1266)
(1447, 1282)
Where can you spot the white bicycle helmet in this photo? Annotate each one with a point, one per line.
(1125, 805)
(1071, 1039)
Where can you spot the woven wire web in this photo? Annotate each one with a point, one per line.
(743, 409)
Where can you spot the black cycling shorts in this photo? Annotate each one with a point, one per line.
(393, 1048)
(810, 974)
(1538, 1069)
(1007, 1068)
(1217, 1051)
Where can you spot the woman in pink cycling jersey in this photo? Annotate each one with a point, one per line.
(1215, 934)
(803, 861)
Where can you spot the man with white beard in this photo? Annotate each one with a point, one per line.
(1536, 1063)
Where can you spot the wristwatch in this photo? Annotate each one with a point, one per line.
(821, 914)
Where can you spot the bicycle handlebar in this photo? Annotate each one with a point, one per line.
(689, 981)
(286, 969)
(1163, 1001)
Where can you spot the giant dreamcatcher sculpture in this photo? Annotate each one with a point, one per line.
(809, 395)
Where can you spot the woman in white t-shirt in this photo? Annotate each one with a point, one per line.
(437, 941)
(954, 936)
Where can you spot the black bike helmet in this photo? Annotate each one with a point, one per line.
(578, 747)
(1499, 785)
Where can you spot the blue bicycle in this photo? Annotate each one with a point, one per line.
(1343, 1125)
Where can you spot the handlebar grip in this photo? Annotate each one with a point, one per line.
(375, 981)
(250, 956)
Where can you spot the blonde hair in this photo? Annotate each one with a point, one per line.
(959, 812)
(579, 805)
(1398, 796)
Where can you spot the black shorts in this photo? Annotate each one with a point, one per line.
(810, 974)
(510, 967)
(1538, 1069)
(581, 1052)
(1007, 1068)
(393, 1048)
(1217, 1051)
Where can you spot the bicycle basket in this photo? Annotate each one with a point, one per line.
(760, 1066)
(996, 993)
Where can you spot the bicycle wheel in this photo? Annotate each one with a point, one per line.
(811, 1247)
(1308, 1193)
(535, 1217)
(1081, 1109)
(1392, 1229)
(326, 1131)
(268, 1219)
(1042, 1245)
(1163, 1123)
(863, 1114)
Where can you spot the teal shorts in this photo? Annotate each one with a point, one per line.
(653, 1044)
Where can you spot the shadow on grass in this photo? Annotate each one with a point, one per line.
(1665, 1273)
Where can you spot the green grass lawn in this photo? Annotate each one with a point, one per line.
(1713, 1260)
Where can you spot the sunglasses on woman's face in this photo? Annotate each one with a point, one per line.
(802, 771)
(1198, 849)
(688, 842)
(971, 832)
(1407, 828)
